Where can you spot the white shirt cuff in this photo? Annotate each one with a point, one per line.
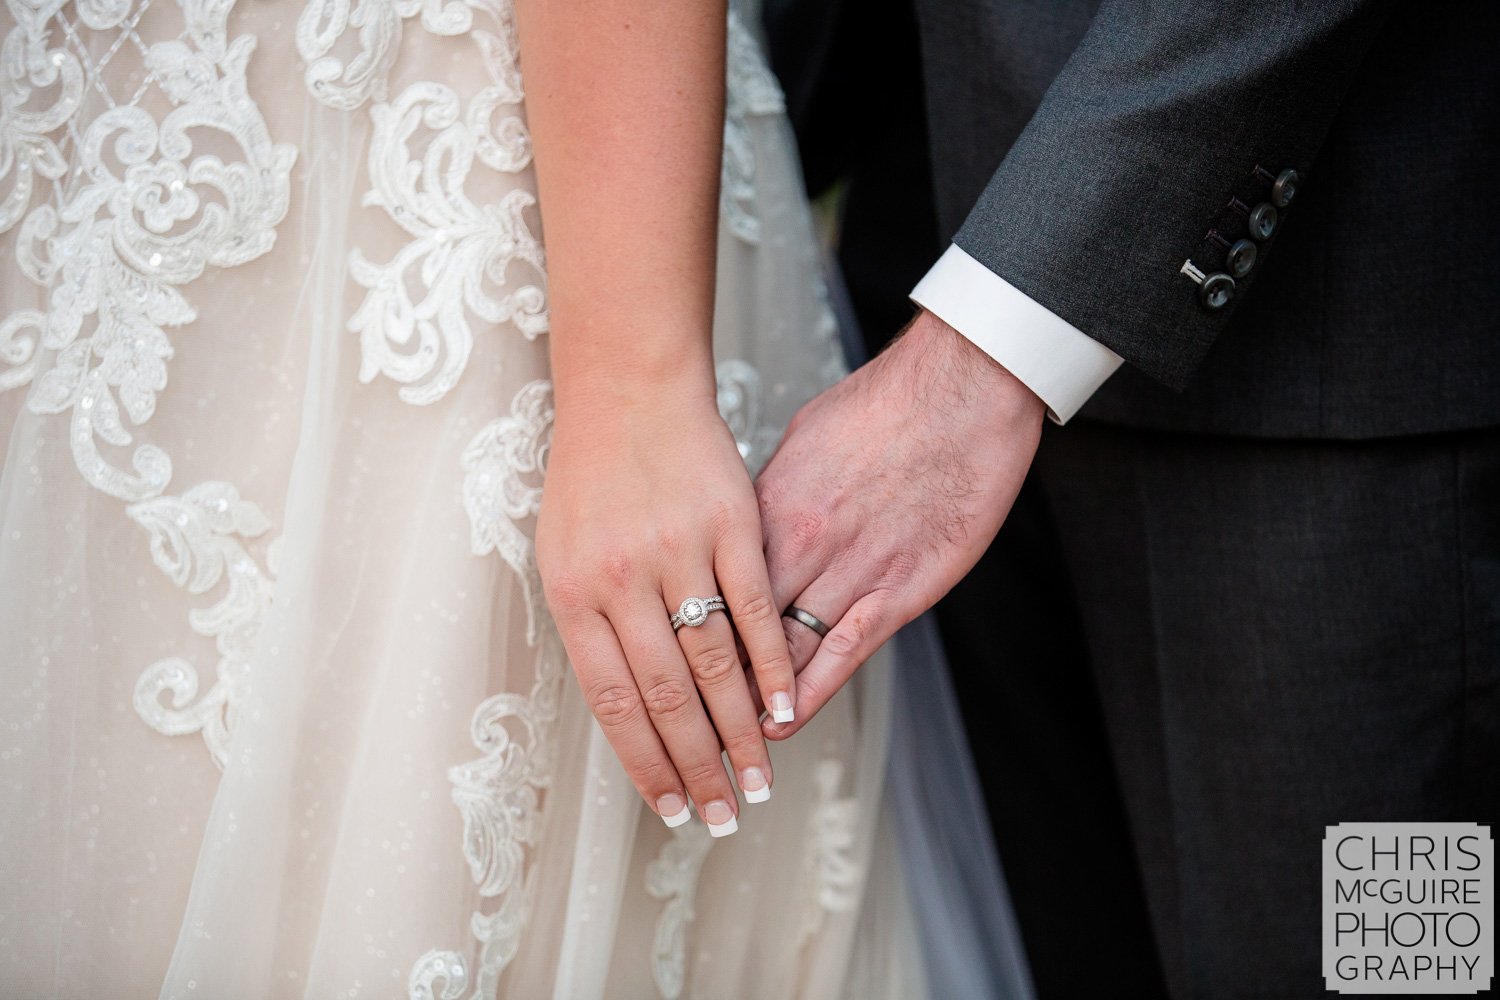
(1054, 359)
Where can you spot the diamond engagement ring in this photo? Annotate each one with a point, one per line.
(695, 611)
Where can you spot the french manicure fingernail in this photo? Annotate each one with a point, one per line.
(781, 707)
(673, 809)
(720, 819)
(753, 784)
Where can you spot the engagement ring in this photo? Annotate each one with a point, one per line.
(695, 611)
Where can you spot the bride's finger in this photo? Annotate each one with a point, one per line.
(741, 570)
(610, 691)
(671, 697)
(715, 665)
(859, 633)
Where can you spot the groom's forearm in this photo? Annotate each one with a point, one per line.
(1149, 139)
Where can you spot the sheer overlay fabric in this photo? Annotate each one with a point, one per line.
(283, 712)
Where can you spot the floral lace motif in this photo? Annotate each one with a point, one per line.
(497, 465)
(751, 90)
(834, 877)
(149, 206)
(673, 876)
(499, 793)
(346, 83)
(195, 540)
(473, 259)
(499, 796)
(742, 405)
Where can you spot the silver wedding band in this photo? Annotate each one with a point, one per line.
(695, 611)
(810, 620)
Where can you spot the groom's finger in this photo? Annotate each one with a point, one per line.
(794, 538)
(859, 633)
(827, 599)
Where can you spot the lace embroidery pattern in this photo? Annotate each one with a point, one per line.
(499, 793)
(751, 90)
(135, 227)
(742, 405)
(195, 540)
(499, 796)
(833, 875)
(148, 208)
(503, 466)
(673, 876)
(471, 259)
(347, 81)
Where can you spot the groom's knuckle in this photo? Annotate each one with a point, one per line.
(771, 495)
(850, 637)
(806, 530)
(901, 565)
(614, 704)
(809, 692)
(712, 666)
(667, 696)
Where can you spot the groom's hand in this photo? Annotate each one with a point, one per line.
(884, 492)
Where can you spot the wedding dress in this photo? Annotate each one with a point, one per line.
(282, 712)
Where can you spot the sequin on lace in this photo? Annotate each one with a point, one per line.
(472, 260)
(150, 205)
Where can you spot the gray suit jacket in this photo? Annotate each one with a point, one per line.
(1087, 151)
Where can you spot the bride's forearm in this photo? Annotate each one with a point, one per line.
(625, 105)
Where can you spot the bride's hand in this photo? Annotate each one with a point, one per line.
(647, 503)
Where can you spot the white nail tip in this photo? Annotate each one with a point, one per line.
(782, 715)
(679, 818)
(724, 829)
(761, 794)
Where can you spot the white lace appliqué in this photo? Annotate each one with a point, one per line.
(196, 540)
(742, 405)
(673, 876)
(751, 90)
(499, 793)
(471, 258)
(831, 873)
(150, 205)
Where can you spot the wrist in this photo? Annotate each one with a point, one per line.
(631, 385)
(612, 405)
(976, 381)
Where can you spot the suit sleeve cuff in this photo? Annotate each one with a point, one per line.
(1051, 357)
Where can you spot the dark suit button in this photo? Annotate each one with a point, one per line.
(1241, 258)
(1263, 220)
(1217, 290)
(1285, 188)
